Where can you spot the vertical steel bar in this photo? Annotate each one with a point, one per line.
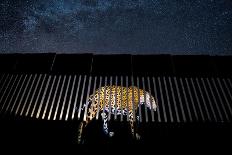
(76, 96)
(145, 100)
(157, 101)
(224, 96)
(168, 100)
(174, 100)
(140, 112)
(162, 100)
(109, 117)
(14, 92)
(127, 98)
(151, 104)
(229, 82)
(104, 100)
(227, 88)
(179, 97)
(94, 90)
(133, 99)
(25, 102)
(9, 93)
(191, 98)
(33, 95)
(87, 98)
(43, 97)
(198, 102)
(70, 98)
(5, 90)
(59, 98)
(2, 77)
(202, 97)
(19, 92)
(65, 96)
(121, 98)
(99, 98)
(220, 99)
(49, 96)
(82, 94)
(22, 96)
(116, 97)
(214, 99)
(54, 97)
(209, 99)
(4, 82)
(186, 100)
(40, 89)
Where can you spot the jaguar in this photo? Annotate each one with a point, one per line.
(116, 100)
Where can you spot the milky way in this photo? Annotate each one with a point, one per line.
(117, 26)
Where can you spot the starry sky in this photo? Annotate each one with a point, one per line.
(116, 26)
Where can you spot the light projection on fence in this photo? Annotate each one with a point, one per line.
(115, 100)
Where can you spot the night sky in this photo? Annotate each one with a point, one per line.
(117, 26)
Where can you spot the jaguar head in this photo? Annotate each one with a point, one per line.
(150, 101)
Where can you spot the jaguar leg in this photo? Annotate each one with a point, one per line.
(80, 130)
(90, 115)
(105, 125)
(134, 134)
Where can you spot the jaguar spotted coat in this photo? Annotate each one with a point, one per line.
(118, 101)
